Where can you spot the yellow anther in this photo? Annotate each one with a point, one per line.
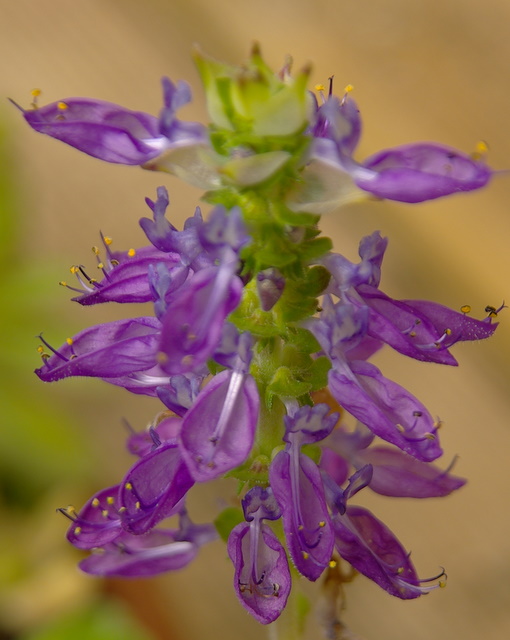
(95, 502)
(400, 571)
(482, 146)
(40, 349)
(320, 87)
(35, 93)
(137, 505)
(77, 531)
(448, 332)
(465, 308)
(122, 509)
(305, 555)
(74, 269)
(301, 527)
(161, 358)
(71, 510)
(322, 524)
(62, 106)
(105, 513)
(128, 486)
(110, 500)
(63, 283)
(107, 240)
(332, 564)
(442, 584)
(348, 88)
(430, 436)
(400, 428)
(100, 265)
(187, 360)
(69, 341)
(95, 250)
(114, 262)
(412, 334)
(131, 253)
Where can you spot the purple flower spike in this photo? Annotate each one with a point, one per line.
(262, 579)
(101, 129)
(373, 550)
(108, 350)
(193, 324)
(218, 431)
(153, 488)
(98, 522)
(422, 171)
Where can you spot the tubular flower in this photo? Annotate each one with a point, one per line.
(262, 577)
(259, 337)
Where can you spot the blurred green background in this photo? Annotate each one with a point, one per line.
(422, 70)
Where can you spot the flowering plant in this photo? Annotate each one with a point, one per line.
(260, 339)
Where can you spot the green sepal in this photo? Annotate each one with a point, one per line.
(318, 375)
(254, 471)
(284, 383)
(316, 248)
(250, 317)
(227, 520)
(303, 340)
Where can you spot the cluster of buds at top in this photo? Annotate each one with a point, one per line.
(261, 336)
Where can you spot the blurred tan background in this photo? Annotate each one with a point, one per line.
(422, 70)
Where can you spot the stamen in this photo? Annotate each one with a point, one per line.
(35, 93)
(465, 308)
(481, 150)
(57, 353)
(62, 108)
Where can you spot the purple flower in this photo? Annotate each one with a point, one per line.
(108, 350)
(101, 129)
(192, 326)
(372, 549)
(297, 486)
(156, 552)
(218, 431)
(416, 328)
(153, 488)
(98, 523)
(125, 276)
(112, 133)
(394, 473)
(165, 237)
(388, 409)
(421, 171)
(410, 173)
(262, 579)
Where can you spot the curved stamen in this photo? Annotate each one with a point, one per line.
(48, 346)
